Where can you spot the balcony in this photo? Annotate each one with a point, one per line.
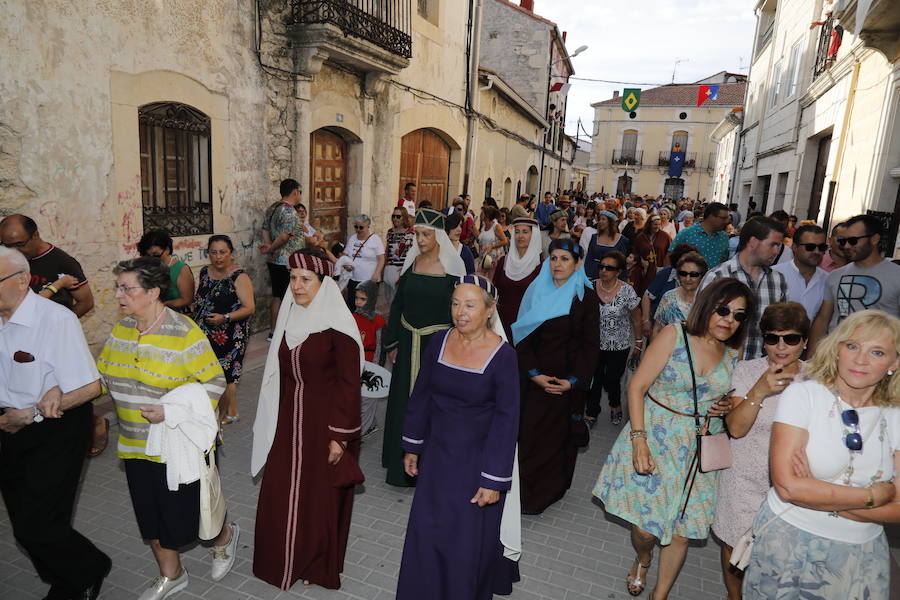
(876, 22)
(628, 158)
(825, 53)
(371, 36)
(690, 159)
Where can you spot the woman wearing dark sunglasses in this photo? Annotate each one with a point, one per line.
(834, 456)
(646, 478)
(675, 305)
(757, 384)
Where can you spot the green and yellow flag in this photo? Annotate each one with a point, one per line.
(631, 99)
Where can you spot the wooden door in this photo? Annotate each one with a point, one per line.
(425, 161)
(328, 174)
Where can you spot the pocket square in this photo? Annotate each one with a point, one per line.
(23, 357)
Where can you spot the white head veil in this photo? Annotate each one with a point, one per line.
(295, 324)
(517, 268)
(511, 518)
(449, 255)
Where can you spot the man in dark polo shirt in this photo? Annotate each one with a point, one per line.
(54, 274)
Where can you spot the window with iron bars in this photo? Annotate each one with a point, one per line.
(176, 168)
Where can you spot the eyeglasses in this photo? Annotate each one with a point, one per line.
(791, 339)
(359, 227)
(852, 440)
(217, 252)
(819, 247)
(723, 311)
(11, 275)
(126, 289)
(608, 268)
(18, 244)
(852, 240)
(691, 274)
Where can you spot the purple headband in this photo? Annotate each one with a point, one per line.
(311, 262)
(481, 282)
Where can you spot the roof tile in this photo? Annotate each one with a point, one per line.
(730, 94)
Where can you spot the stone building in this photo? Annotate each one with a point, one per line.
(116, 118)
(530, 53)
(822, 119)
(631, 151)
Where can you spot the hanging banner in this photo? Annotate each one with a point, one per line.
(631, 99)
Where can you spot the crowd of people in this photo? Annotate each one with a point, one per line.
(763, 401)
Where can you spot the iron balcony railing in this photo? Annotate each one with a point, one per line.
(690, 159)
(385, 23)
(823, 59)
(627, 157)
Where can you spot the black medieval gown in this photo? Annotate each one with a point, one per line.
(562, 347)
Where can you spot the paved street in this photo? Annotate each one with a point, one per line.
(571, 552)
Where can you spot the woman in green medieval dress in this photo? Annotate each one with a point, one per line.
(421, 307)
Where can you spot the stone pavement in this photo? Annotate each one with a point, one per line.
(571, 552)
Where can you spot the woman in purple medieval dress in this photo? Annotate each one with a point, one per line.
(463, 536)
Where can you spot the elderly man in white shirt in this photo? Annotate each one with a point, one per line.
(805, 279)
(47, 377)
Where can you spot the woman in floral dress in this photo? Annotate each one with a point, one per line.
(649, 478)
(223, 306)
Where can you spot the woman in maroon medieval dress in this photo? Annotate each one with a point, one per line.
(307, 432)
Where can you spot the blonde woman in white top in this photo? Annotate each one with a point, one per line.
(834, 455)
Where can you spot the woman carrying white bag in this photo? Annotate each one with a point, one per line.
(149, 357)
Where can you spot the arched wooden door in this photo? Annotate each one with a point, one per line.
(328, 185)
(425, 161)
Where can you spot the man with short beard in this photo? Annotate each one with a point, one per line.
(835, 258)
(868, 281)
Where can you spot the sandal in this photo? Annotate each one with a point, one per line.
(99, 442)
(615, 415)
(635, 583)
(590, 421)
(230, 419)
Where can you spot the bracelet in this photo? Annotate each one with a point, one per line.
(51, 287)
(870, 501)
(751, 402)
(637, 433)
(227, 317)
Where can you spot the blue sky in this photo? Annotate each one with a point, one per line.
(639, 41)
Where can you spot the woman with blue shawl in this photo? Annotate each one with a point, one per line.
(557, 341)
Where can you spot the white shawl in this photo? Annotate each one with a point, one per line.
(517, 268)
(296, 323)
(449, 255)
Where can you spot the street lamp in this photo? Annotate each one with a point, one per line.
(578, 51)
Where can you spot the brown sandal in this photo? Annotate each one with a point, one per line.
(99, 443)
(636, 583)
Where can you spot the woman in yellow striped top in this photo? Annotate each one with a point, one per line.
(150, 352)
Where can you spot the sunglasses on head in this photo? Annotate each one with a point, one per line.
(852, 240)
(608, 268)
(852, 440)
(791, 339)
(691, 274)
(723, 311)
(819, 247)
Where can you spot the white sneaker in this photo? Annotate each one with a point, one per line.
(223, 556)
(164, 587)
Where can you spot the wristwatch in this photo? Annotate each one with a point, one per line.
(38, 415)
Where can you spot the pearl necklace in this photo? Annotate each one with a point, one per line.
(152, 325)
(606, 289)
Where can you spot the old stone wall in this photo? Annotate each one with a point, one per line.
(71, 79)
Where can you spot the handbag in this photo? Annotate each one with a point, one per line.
(714, 450)
(740, 554)
(487, 261)
(212, 500)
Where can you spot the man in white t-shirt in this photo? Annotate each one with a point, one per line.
(868, 281)
(408, 199)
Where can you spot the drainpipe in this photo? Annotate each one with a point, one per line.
(842, 145)
(473, 104)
